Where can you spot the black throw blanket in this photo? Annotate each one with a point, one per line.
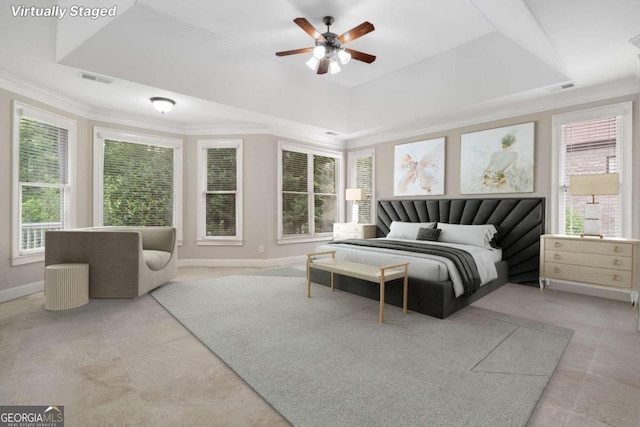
(462, 259)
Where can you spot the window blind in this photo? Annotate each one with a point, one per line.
(221, 193)
(591, 147)
(137, 184)
(295, 193)
(309, 181)
(44, 181)
(364, 179)
(325, 193)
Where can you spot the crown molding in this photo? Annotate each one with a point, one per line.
(20, 86)
(538, 101)
(13, 83)
(247, 128)
(500, 109)
(112, 117)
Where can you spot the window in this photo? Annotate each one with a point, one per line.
(362, 175)
(137, 180)
(43, 184)
(310, 192)
(594, 141)
(220, 186)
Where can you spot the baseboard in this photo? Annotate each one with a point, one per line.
(21, 291)
(273, 262)
(591, 290)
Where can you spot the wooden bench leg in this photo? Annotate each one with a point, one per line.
(382, 299)
(404, 290)
(308, 278)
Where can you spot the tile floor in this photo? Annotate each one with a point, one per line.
(129, 362)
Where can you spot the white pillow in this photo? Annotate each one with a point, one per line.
(407, 230)
(474, 235)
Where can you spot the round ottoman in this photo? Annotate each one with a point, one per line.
(66, 286)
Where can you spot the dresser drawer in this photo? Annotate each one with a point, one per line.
(598, 276)
(347, 228)
(589, 247)
(589, 260)
(354, 231)
(338, 235)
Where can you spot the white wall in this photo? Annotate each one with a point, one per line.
(542, 150)
(260, 183)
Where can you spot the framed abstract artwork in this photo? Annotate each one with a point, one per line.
(499, 160)
(419, 168)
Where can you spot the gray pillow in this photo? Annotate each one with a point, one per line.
(430, 234)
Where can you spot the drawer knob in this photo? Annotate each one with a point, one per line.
(617, 249)
(556, 270)
(616, 262)
(556, 244)
(557, 256)
(616, 277)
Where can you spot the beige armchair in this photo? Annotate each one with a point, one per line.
(124, 262)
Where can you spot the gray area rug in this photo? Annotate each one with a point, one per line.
(326, 361)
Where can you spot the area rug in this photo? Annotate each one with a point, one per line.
(326, 361)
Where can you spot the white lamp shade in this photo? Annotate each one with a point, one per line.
(344, 56)
(355, 194)
(594, 184)
(312, 63)
(334, 67)
(319, 52)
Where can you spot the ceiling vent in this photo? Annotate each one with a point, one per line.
(636, 41)
(95, 78)
(563, 86)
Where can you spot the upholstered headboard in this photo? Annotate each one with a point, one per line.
(520, 223)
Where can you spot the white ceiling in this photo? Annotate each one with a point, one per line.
(435, 60)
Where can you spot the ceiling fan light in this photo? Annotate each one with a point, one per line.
(319, 51)
(163, 105)
(334, 68)
(344, 56)
(312, 63)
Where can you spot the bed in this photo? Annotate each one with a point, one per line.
(435, 287)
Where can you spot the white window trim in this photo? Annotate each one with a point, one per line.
(100, 134)
(289, 146)
(203, 239)
(624, 110)
(20, 110)
(351, 160)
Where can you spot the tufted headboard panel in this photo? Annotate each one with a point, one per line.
(520, 223)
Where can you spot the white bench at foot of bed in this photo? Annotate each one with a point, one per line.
(370, 273)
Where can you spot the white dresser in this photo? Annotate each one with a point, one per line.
(609, 265)
(351, 230)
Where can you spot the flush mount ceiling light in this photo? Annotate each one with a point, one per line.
(329, 49)
(163, 104)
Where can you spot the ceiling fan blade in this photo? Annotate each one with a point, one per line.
(295, 51)
(323, 67)
(360, 56)
(354, 33)
(308, 28)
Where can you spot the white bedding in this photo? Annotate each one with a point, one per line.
(423, 266)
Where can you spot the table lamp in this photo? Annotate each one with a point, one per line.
(355, 194)
(593, 185)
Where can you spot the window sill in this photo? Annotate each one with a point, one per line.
(27, 259)
(219, 242)
(305, 239)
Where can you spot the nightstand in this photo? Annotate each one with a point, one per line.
(351, 230)
(600, 266)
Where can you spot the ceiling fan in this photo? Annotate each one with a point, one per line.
(329, 48)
